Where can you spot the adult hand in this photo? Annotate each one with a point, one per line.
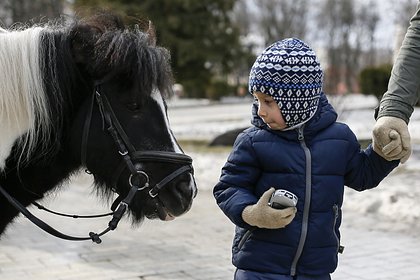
(263, 216)
(391, 139)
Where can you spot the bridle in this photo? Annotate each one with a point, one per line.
(138, 179)
(128, 152)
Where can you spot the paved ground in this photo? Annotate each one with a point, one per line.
(195, 246)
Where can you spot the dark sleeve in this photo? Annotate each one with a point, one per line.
(403, 87)
(365, 169)
(234, 191)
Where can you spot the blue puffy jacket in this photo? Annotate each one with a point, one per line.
(314, 162)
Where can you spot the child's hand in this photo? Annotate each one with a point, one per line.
(263, 216)
(391, 139)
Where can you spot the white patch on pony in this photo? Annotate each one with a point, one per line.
(158, 98)
(24, 112)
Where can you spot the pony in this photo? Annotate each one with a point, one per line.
(89, 93)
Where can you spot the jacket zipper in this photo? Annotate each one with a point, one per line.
(335, 208)
(244, 238)
(308, 194)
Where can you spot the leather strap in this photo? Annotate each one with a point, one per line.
(85, 136)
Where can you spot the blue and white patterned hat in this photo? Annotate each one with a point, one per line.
(289, 71)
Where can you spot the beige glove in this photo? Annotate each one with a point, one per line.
(263, 216)
(391, 139)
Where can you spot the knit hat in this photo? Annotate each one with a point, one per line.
(289, 71)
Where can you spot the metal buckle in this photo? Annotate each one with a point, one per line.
(139, 172)
(144, 187)
(124, 154)
(152, 194)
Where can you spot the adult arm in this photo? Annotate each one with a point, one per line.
(391, 138)
(403, 87)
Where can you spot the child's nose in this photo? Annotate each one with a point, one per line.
(261, 112)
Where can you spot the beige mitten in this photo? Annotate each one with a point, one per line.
(391, 139)
(263, 216)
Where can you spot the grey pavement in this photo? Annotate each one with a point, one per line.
(197, 244)
(194, 246)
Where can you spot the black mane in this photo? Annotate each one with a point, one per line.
(121, 52)
(93, 49)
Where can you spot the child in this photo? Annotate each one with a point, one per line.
(297, 145)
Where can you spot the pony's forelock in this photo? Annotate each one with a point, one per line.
(132, 53)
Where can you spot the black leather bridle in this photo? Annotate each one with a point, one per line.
(138, 179)
(129, 153)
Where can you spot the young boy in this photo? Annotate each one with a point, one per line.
(295, 144)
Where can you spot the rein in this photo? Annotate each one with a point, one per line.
(138, 179)
(95, 237)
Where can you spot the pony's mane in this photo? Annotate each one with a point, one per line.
(23, 104)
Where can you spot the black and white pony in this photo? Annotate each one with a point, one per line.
(89, 94)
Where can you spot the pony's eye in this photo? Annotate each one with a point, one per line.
(133, 106)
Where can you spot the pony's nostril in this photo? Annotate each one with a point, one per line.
(187, 187)
(184, 189)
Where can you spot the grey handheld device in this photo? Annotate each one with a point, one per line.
(281, 199)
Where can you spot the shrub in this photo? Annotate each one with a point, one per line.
(374, 80)
(218, 89)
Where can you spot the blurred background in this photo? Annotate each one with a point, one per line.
(214, 42)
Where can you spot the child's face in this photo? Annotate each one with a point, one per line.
(269, 111)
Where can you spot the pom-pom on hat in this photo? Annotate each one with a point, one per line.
(289, 71)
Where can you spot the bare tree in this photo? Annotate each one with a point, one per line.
(334, 22)
(368, 18)
(362, 51)
(402, 15)
(404, 11)
(349, 31)
(241, 16)
(279, 19)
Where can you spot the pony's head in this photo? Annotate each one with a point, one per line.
(122, 132)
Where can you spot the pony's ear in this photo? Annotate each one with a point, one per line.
(82, 41)
(151, 34)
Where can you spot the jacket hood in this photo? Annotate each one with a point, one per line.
(324, 116)
(290, 73)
